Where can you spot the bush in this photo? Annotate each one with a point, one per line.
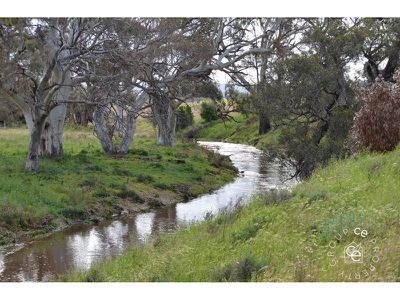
(275, 196)
(376, 125)
(184, 117)
(145, 178)
(243, 270)
(304, 153)
(208, 112)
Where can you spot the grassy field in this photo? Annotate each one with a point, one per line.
(289, 236)
(88, 186)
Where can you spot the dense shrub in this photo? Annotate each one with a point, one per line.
(305, 152)
(184, 117)
(208, 112)
(376, 125)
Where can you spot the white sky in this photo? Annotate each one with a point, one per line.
(204, 8)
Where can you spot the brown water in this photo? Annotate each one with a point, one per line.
(79, 247)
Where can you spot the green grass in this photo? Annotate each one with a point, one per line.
(88, 186)
(242, 130)
(284, 236)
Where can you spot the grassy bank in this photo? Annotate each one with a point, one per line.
(88, 186)
(243, 130)
(285, 236)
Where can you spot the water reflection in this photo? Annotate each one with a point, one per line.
(144, 225)
(82, 246)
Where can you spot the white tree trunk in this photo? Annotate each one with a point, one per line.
(130, 132)
(125, 123)
(102, 131)
(32, 159)
(165, 118)
(52, 135)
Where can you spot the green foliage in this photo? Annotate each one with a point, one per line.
(145, 178)
(275, 196)
(184, 117)
(313, 145)
(208, 112)
(122, 172)
(243, 270)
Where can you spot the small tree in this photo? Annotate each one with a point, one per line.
(376, 125)
(184, 117)
(208, 112)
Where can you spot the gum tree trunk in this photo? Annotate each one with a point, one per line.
(106, 137)
(125, 124)
(52, 136)
(32, 160)
(50, 142)
(102, 131)
(165, 118)
(130, 132)
(264, 123)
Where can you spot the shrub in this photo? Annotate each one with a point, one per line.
(145, 178)
(208, 112)
(376, 125)
(275, 196)
(243, 270)
(184, 117)
(305, 151)
(249, 230)
(89, 182)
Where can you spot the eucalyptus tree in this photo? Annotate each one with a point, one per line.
(315, 95)
(107, 83)
(116, 105)
(189, 49)
(380, 46)
(171, 46)
(38, 61)
(255, 72)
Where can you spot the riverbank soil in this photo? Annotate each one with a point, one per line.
(87, 186)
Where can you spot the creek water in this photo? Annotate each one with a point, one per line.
(81, 246)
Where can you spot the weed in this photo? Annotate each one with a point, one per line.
(145, 178)
(243, 270)
(122, 172)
